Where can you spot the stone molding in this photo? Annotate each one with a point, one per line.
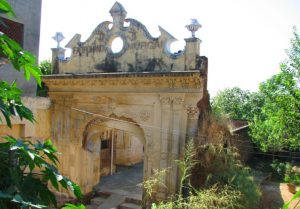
(175, 81)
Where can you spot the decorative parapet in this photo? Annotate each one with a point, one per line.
(140, 52)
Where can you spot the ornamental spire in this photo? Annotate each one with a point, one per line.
(118, 14)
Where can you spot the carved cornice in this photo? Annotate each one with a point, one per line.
(180, 81)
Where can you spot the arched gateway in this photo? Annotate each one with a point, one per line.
(143, 93)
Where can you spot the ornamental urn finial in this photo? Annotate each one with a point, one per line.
(193, 26)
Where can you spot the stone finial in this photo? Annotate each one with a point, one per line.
(118, 13)
(58, 37)
(193, 26)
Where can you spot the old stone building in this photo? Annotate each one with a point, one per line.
(121, 107)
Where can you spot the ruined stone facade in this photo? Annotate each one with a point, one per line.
(143, 99)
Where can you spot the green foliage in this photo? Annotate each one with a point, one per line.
(25, 170)
(288, 172)
(5, 8)
(10, 95)
(277, 126)
(215, 197)
(221, 166)
(45, 67)
(186, 165)
(71, 206)
(11, 104)
(152, 183)
(235, 103)
(19, 58)
(229, 185)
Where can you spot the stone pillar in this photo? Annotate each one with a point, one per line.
(165, 137)
(175, 143)
(57, 55)
(192, 50)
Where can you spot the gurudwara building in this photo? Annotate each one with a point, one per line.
(138, 104)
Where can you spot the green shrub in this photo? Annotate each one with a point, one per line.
(287, 172)
(221, 166)
(216, 197)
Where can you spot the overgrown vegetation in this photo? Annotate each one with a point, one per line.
(278, 125)
(227, 183)
(215, 197)
(152, 184)
(221, 166)
(235, 103)
(288, 172)
(46, 69)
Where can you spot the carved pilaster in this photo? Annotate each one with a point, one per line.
(192, 121)
(193, 112)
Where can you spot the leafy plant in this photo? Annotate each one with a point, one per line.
(215, 197)
(10, 95)
(186, 165)
(46, 69)
(221, 166)
(11, 103)
(287, 172)
(235, 103)
(71, 206)
(277, 126)
(25, 170)
(151, 185)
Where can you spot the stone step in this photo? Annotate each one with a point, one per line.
(97, 200)
(128, 205)
(113, 201)
(133, 200)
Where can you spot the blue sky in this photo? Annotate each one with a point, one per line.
(244, 40)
